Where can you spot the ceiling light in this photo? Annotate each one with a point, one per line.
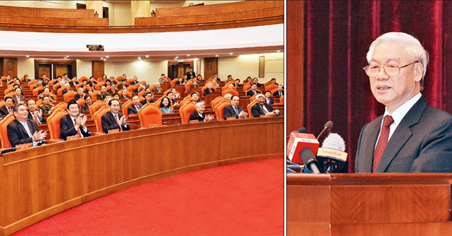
(279, 51)
(216, 55)
(147, 56)
(139, 58)
(231, 53)
(105, 59)
(188, 55)
(101, 58)
(106, 56)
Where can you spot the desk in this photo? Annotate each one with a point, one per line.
(40, 182)
(369, 204)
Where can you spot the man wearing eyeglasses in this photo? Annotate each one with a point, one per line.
(410, 136)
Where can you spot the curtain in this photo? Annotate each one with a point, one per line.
(337, 37)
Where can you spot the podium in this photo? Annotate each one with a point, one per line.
(369, 204)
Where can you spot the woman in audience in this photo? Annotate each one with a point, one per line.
(104, 78)
(175, 93)
(180, 81)
(165, 106)
(215, 84)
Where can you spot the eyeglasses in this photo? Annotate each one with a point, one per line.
(390, 69)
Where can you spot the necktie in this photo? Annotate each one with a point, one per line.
(117, 121)
(382, 141)
(264, 109)
(79, 134)
(236, 110)
(36, 119)
(9, 110)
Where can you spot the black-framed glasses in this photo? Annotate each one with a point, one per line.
(390, 69)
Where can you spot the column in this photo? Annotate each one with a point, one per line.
(140, 8)
(97, 6)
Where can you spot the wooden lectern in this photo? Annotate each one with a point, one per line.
(369, 204)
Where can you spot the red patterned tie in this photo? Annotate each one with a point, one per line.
(382, 141)
(79, 134)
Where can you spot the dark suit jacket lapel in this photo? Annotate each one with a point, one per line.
(23, 130)
(368, 144)
(402, 134)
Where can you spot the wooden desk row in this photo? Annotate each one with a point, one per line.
(42, 181)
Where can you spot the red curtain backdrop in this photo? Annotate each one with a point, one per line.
(337, 37)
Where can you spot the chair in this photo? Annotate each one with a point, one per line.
(129, 94)
(251, 104)
(94, 95)
(97, 117)
(173, 82)
(152, 87)
(187, 86)
(53, 122)
(59, 106)
(246, 87)
(10, 94)
(166, 92)
(99, 85)
(36, 90)
(131, 88)
(217, 101)
(281, 99)
(38, 103)
(129, 81)
(158, 102)
(8, 90)
(254, 97)
(95, 107)
(50, 94)
(60, 91)
(30, 83)
(271, 87)
(185, 112)
(149, 114)
(125, 107)
(186, 100)
(80, 102)
(226, 86)
(219, 109)
(4, 130)
(81, 79)
(231, 91)
(69, 95)
(141, 93)
(267, 83)
(3, 78)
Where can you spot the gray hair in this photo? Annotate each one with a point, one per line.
(199, 104)
(413, 48)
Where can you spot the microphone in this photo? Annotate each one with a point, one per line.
(300, 130)
(331, 155)
(308, 157)
(328, 126)
(298, 142)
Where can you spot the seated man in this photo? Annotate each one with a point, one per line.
(173, 101)
(35, 114)
(199, 113)
(80, 93)
(253, 91)
(180, 81)
(102, 94)
(236, 84)
(280, 92)
(67, 88)
(195, 98)
(147, 98)
(46, 93)
(73, 123)
(234, 110)
(255, 81)
(23, 130)
(228, 97)
(18, 97)
(123, 84)
(124, 95)
(46, 106)
(158, 88)
(194, 84)
(87, 104)
(8, 107)
(136, 106)
(268, 98)
(262, 108)
(134, 81)
(73, 81)
(162, 79)
(113, 119)
(26, 78)
(209, 89)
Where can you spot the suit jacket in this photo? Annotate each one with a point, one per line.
(4, 111)
(195, 116)
(229, 111)
(67, 128)
(191, 74)
(43, 119)
(276, 94)
(17, 134)
(85, 108)
(17, 100)
(102, 96)
(144, 102)
(78, 96)
(421, 143)
(257, 111)
(208, 91)
(109, 122)
(132, 109)
(269, 100)
(251, 93)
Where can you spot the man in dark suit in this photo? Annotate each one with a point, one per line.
(134, 81)
(8, 107)
(234, 110)
(18, 97)
(80, 94)
(23, 130)
(253, 91)
(280, 92)
(262, 108)
(190, 74)
(413, 137)
(113, 119)
(87, 104)
(147, 98)
(135, 107)
(268, 98)
(73, 123)
(102, 94)
(35, 114)
(208, 90)
(199, 114)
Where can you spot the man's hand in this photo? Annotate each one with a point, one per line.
(209, 117)
(39, 135)
(243, 114)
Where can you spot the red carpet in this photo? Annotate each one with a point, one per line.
(239, 199)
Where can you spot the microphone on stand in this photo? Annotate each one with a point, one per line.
(331, 155)
(328, 126)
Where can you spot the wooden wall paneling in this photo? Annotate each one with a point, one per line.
(43, 70)
(71, 66)
(210, 67)
(98, 69)
(96, 166)
(46, 12)
(294, 87)
(53, 21)
(1, 67)
(261, 66)
(10, 66)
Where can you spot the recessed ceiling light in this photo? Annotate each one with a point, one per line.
(147, 56)
(102, 58)
(279, 51)
(139, 58)
(231, 53)
(188, 55)
(106, 56)
(216, 55)
(177, 57)
(105, 59)
(27, 56)
(67, 56)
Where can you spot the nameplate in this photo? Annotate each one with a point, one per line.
(69, 138)
(23, 146)
(154, 125)
(113, 131)
(194, 121)
(231, 118)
